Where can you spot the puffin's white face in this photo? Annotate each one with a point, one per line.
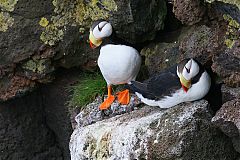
(190, 70)
(186, 72)
(102, 30)
(98, 31)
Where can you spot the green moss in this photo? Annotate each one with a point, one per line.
(89, 86)
(5, 21)
(233, 2)
(232, 31)
(8, 5)
(78, 13)
(37, 66)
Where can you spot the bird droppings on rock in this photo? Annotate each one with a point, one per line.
(153, 133)
(91, 113)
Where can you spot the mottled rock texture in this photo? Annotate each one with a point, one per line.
(159, 56)
(189, 11)
(228, 117)
(228, 8)
(24, 133)
(134, 25)
(182, 132)
(200, 42)
(26, 57)
(226, 65)
(37, 126)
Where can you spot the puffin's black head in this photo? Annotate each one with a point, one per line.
(99, 30)
(186, 71)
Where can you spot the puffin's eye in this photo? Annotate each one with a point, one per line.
(188, 70)
(99, 28)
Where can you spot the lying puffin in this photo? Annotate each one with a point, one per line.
(188, 81)
(119, 64)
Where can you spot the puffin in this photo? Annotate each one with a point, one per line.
(118, 63)
(184, 82)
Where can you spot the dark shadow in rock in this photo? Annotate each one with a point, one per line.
(225, 8)
(214, 96)
(24, 133)
(172, 27)
(54, 98)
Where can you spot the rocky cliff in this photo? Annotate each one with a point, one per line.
(40, 38)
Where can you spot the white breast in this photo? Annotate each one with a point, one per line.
(119, 64)
(197, 91)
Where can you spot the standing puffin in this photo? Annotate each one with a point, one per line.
(119, 64)
(188, 81)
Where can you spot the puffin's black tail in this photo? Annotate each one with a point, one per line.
(135, 86)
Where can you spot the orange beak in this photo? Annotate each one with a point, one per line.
(92, 45)
(184, 88)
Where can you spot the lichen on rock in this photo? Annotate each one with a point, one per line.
(77, 13)
(43, 22)
(8, 5)
(35, 66)
(232, 2)
(232, 34)
(6, 21)
(92, 11)
(51, 35)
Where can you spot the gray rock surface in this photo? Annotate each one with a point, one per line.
(159, 56)
(226, 65)
(228, 117)
(138, 20)
(24, 133)
(231, 7)
(26, 58)
(201, 42)
(37, 126)
(182, 132)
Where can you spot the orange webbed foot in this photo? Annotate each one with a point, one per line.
(123, 97)
(107, 103)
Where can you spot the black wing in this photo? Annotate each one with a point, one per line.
(158, 86)
(164, 84)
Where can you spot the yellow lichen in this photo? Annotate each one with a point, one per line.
(8, 5)
(43, 22)
(86, 13)
(51, 35)
(78, 13)
(102, 151)
(37, 66)
(232, 2)
(30, 65)
(232, 31)
(229, 43)
(5, 21)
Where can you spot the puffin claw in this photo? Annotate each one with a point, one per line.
(123, 97)
(107, 103)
